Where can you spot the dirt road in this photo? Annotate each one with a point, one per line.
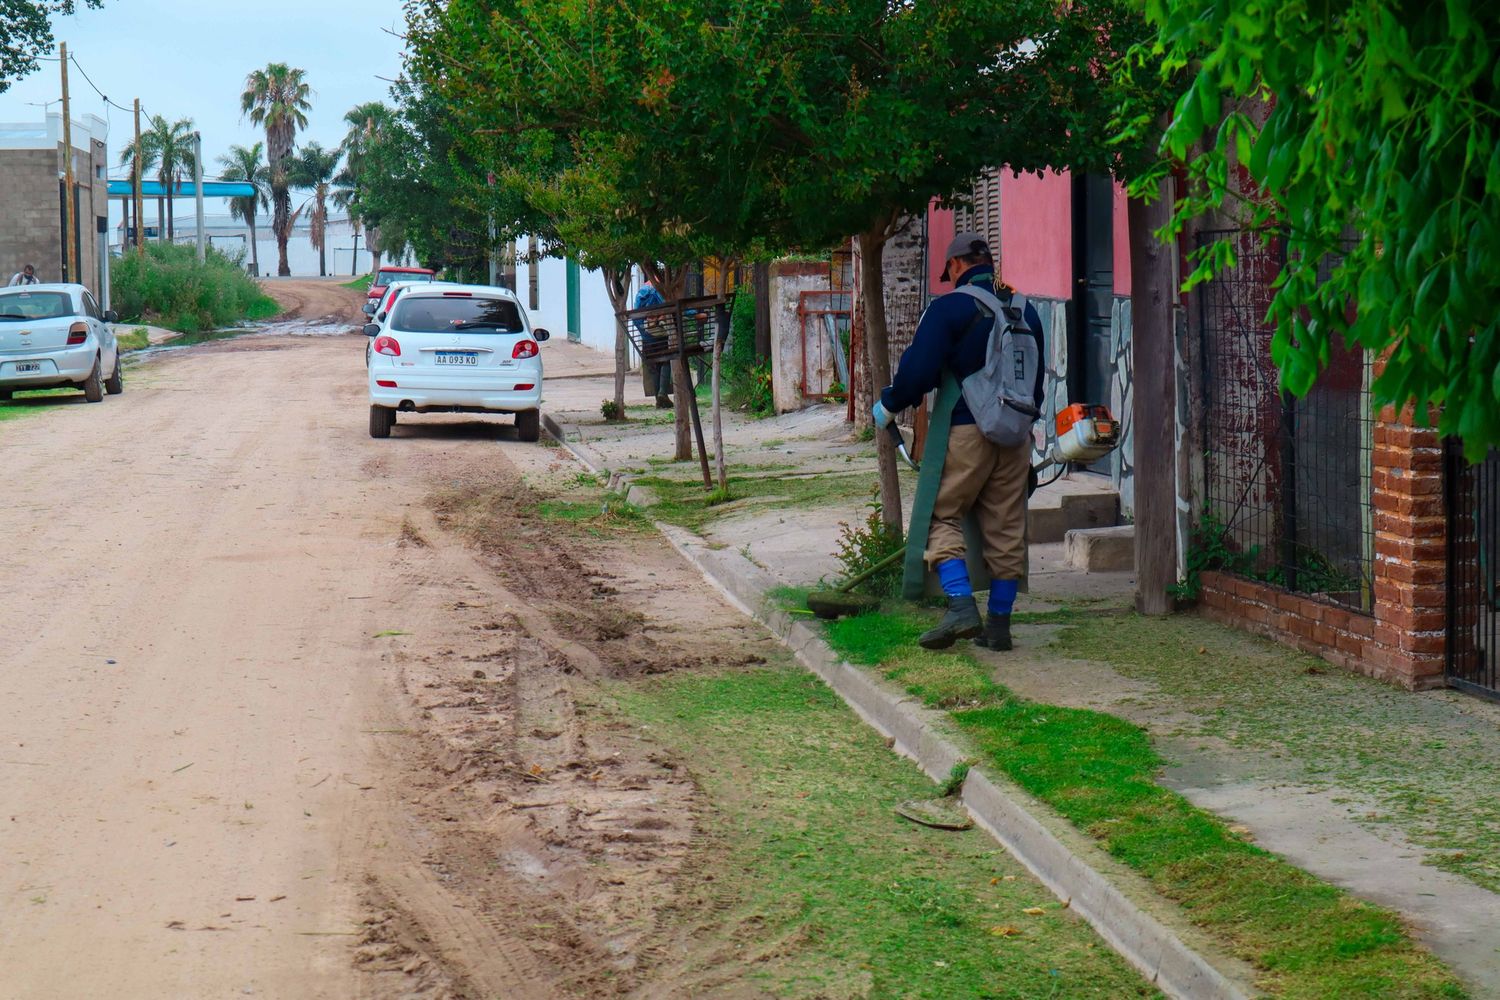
(289, 712)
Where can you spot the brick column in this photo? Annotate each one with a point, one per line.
(1410, 553)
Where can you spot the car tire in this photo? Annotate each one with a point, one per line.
(6, 395)
(115, 384)
(93, 386)
(382, 419)
(529, 425)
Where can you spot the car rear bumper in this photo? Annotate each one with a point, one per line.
(59, 366)
(419, 397)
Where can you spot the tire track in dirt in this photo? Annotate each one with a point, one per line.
(561, 826)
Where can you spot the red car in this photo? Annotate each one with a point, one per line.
(386, 275)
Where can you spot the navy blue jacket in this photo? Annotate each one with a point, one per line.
(948, 337)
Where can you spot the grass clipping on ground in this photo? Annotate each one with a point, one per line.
(803, 881)
(1306, 938)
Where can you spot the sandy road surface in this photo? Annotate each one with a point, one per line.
(219, 778)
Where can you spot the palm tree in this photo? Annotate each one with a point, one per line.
(244, 163)
(168, 149)
(314, 170)
(366, 123)
(277, 97)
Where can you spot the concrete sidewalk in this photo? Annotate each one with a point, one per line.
(1393, 796)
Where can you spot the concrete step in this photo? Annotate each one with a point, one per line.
(1101, 550)
(1052, 514)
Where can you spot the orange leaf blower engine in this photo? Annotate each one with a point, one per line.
(1085, 434)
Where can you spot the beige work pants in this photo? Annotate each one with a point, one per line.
(980, 475)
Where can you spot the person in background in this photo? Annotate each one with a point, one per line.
(25, 276)
(659, 374)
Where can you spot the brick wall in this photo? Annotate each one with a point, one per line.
(1403, 640)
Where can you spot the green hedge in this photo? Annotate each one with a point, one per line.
(168, 287)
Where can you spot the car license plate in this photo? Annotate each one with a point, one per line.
(28, 366)
(457, 358)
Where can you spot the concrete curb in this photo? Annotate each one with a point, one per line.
(918, 732)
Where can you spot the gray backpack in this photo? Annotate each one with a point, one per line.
(1001, 395)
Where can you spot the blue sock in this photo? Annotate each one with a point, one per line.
(954, 573)
(1003, 596)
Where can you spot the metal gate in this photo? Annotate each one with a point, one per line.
(1473, 509)
(1286, 480)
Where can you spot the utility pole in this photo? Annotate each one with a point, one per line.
(198, 188)
(70, 256)
(136, 195)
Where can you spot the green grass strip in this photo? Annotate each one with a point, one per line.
(361, 283)
(687, 504)
(1308, 939)
(822, 890)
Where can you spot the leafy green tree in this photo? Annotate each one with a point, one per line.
(314, 169)
(167, 148)
(278, 97)
(247, 163)
(793, 122)
(26, 34)
(1375, 154)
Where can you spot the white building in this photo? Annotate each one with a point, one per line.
(568, 300)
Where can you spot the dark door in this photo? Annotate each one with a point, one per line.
(1090, 360)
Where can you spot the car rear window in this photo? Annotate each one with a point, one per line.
(35, 305)
(386, 277)
(430, 314)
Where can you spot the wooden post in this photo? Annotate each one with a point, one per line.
(139, 201)
(70, 254)
(1153, 362)
(762, 282)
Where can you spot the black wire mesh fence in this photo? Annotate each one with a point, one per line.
(1472, 495)
(1287, 480)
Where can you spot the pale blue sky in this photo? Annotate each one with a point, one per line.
(189, 59)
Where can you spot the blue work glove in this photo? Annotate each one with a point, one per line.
(883, 417)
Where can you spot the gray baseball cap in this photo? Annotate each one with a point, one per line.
(966, 243)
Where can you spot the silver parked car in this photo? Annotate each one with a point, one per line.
(56, 335)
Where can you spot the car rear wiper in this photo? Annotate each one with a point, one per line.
(471, 324)
(11, 316)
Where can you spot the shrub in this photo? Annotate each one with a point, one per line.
(170, 288)
(746, 379)
(863, 547)
(610, 410)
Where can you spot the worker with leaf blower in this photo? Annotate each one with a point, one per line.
(985, 336)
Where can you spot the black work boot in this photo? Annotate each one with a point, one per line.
(996, 633)
(961, 622)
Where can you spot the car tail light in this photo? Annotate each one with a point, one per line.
(525, 385)
(79, 332)
(525, 349)
(458, 295)
(387, 346)
(385, 383)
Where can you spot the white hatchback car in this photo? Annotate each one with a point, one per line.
(56, 335)
(456, 349)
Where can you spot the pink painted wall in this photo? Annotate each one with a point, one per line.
(940, 227)
(1036, 234)
(1121, 242)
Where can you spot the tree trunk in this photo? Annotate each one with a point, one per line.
(161, 222)
(682, 389)
(254, 250)
(171, 220)
(617, 284)
(281, 222)
(323, 256)
(878, 358)
(1154, 438)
